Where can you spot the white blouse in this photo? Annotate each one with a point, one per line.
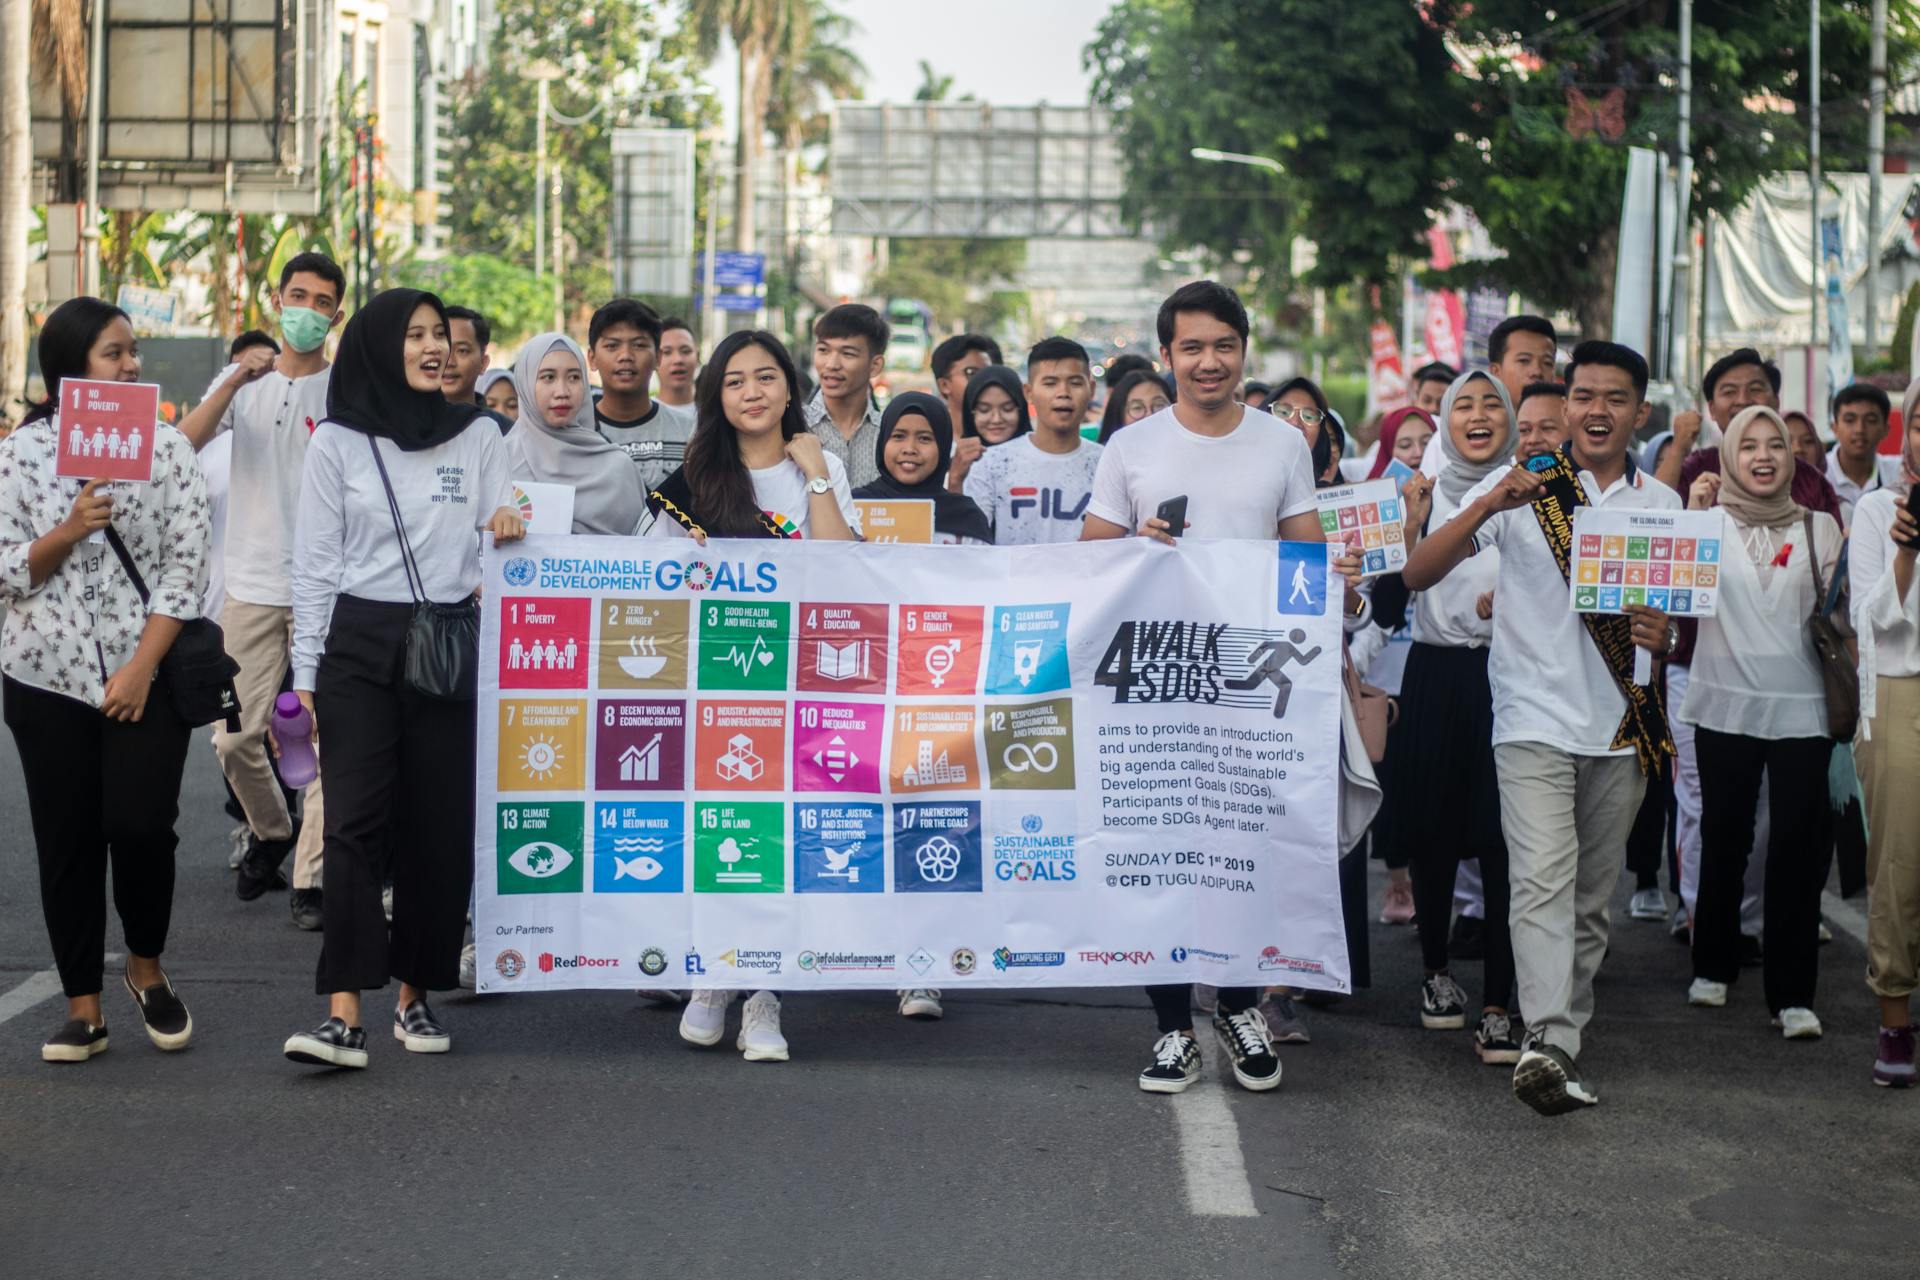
(1448, 613)
(82, 624)
(1754, 671)
(1888, 625)
(345, 543)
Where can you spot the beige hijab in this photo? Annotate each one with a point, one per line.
(1748, 508)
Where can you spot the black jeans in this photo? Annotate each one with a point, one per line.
(1797, 804)
(100, 791)
(400, 789)
(1173, 1003)
(1651, 837)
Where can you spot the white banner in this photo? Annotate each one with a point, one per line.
(833, 765)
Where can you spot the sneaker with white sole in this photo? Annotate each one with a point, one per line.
(237, 841)
(1546, 1080)
(75, 1041)
(1798, 1023)
(1249, 1047)
(168, 1023)
(1707, 994)
(1494, 1041)
(921, 1002)
(331, 1044)
(1893, 1063)
(704, 1020)
(1647, 904)
(1284, 1023)
(421, 1032)
(760, 1039)
(1176, 1063)
(469, 967)
(1443, 1005)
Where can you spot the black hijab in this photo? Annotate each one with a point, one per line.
(953, 513)
(368, 388)
(995, 375)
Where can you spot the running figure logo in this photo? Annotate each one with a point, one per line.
(1268, 660)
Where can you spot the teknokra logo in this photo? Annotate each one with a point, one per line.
(1203, 662)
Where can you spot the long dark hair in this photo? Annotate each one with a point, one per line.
(1113, 417)
(65, 341)
(717, 479)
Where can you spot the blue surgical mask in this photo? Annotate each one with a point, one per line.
(304, 328)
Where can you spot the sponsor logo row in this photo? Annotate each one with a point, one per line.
(652, 962)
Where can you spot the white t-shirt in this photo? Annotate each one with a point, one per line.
(657, 442)
(271, 419)
(216, 466)
(1448, 613)
(1240, 485)
(1031, 496)
(1550, 685)
(1886, 471)
(782, 492)
(345, 540)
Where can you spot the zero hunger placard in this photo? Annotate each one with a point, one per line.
(1666, 560)
(827, 765)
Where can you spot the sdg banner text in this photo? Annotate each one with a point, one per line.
(794, 765)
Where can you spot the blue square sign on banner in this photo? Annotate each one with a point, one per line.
(1303, 578)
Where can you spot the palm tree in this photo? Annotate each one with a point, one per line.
(934, 87)
(806, 80)
(758, 29)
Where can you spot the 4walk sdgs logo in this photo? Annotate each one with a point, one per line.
(1204, 662)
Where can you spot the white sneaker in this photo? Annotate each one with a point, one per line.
(921, 1002)
(469, 967)
(1707, 995)
(760, 1039)
(704, 1022)
(237, 845)
(1647, 904)
(1798, 1024)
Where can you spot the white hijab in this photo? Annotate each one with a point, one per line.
(607, 494)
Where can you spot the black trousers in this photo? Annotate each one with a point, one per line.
(1797, 804)
(1450, 794)
(1651, 836)
(100, 791)
(399, 789)
(1173, 1003)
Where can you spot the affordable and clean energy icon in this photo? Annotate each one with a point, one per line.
(940, 659)
(541, 757)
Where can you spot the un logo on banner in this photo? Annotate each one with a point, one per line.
(1303, 578)
(519, 572)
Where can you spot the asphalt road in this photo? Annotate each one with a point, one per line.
(574, 1135)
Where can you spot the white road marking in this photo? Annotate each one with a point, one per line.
(1210, 1156)
(29, 993)
(1843, 915)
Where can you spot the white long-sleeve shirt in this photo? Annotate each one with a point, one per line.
(344, 540)
(1888, 625)
(83, 622)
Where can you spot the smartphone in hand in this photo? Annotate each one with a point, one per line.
(1907, 501)
(1174, 512)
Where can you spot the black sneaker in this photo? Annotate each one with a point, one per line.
(260, 868)
(305, 906)
(1547, 1081)
(77, 1041)
(1249, 1048)
(1443, 1005)
(169, 1025)
(1176, 1063)
(1468, 941)
(416, 1028)
(331, 1044)
(1493, 1040)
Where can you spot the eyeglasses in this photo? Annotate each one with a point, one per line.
(1297, 416)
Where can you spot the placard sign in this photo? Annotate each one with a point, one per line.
(895, 519)
(106, 429)
(1666, 560)
(1367, 515)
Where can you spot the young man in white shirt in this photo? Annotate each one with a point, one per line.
(471, 337)
(271, 403)
(849, 350)
(1521, 351)
(1035, 487)
(679, 363)
(623, 345)
(1246, 474)
(1574, 735)
(1855, 467)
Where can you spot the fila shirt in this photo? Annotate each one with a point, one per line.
(1032, 496)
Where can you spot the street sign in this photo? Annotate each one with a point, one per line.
(150, 311)
(730, 269)
(106, 429)
(739, 301)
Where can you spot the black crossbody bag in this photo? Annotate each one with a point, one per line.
(197, 670)
(443, 640)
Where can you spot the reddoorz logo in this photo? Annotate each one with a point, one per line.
(549, 962)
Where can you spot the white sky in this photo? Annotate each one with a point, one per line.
(1009, 52)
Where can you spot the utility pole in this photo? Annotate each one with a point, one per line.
(543, 72)
(90, 219)
(16, 210)
(1678, 302)
(559, 268)
(1876, 161)
(1815, 286)
(706, 284)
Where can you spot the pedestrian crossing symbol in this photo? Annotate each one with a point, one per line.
(1303, 578)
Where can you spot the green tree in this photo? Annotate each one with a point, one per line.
(759, 30)
(809, 76)
(1382, 112)
(934, 87)
(966, 283)
(517, 303)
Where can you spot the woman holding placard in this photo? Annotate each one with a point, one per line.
(399, 487)
(1757, 701)
(915, 447)
(752, 470)
(101, 745)
(556, 440)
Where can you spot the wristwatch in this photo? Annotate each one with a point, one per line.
(1673, 638)
(819, 484)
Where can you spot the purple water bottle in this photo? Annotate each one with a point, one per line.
(292, 730)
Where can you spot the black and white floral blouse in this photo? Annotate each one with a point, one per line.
(73, 631)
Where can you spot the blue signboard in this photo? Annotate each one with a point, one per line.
(739, 301)
(731, 269)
